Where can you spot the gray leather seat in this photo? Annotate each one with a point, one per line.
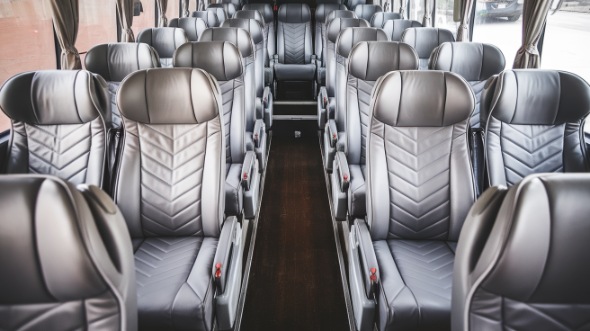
(169, 188)
(395, 28)
(60, 120)
(321, 13)
(367, 62)
(294, 60)
(522, 257)
(255, 15)
(67, 261)
(164, 40)
(265, 9)
(192, 26)
(224, 62)
(114, 62)
(534, 124)
(209, 16)
(419, 191)
(236, 3)
(334, 139)
(366, 11)
(378, 20)
(425, 40)
(228, 10)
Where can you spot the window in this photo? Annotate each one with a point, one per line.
(97, 25)
(172, 10)
(26, 32)
(147, 15)
(416, 10)
(444, 16)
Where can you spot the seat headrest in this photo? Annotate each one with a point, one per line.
(339, 14)
(379, 19)
(265, 9)
(339, 24)
(294, 13)
(370, 60)
(239, 37)
(251, 14)
(538, 246)
(540, 97)
(425, 40)
(115, 61)
(349, 37)
(219, 58)
(422, 99)
(169, 96)
(210, 17)
(164, 40)
(192, 26)
(395, 28)
(219, 12)
(46, 242)
(52, 97)
(323, 10)
(366, 11)
(229, 9)
(253, 27)
(473, 61)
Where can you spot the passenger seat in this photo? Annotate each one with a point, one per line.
(265, 10)
(228, 10)
(395, 28)
(367, 11)
(425, 40)
(378, 20)
(164, 40)
(321, 13)
(209, 16)
(192, 26)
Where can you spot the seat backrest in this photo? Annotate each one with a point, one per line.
(236, 3)
(228, 10)
(352, 4)
(378, 20)
(209, 16)
(395, 28)
(521, 259)
(171, 173)
(192, 26)
(294, 41)
(255, 15)
(332, 32)
(265, 9)
(114, 62)
(347, 39)
(535, 124)
(420, 183)
(368, 61)
(59, 120)
(67, 260)
(164, 40)
(219, 11)
(366, 11)
(425, 40)
(321, 12)
(475, 62)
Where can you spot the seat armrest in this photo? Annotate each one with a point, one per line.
(266, 96)
(274, 59)
(248, 169)
(341, 164)
(267, 105)
(314, 60)
(322, 107)
(223, 255)
(332, 132)
(476, 141)
(257, 132)
(362, 238)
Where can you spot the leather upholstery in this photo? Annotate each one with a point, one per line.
(67, 261)
(229, 9)
(395, 28)
(59, 120)
(419, 189)
(294, 43)
(169, 187)
(535, 125)
(425, 40)
(521, 260)
(209, 16)
(321, 12)
(366, 11)
(265, 10)
(378, 20)
(219, 12)
(475, 62)
(164, 40)
(114, 62)
(192, 26)
(250, 14)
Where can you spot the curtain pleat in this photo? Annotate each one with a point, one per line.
(162, 7)
(463, 30)
(65, 21)
(534, 16)
(427, 19)
(184, 6)
(125, 16)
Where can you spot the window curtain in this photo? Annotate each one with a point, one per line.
(162, 7)
(65, 21)
(125, 16)
(427, 19)
(184, 8)
(402, 8)
(534, 16)
(466, 10)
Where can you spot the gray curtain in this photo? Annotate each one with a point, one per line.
(162, 7)
(125, 16)
(402, 8)
(427, 19)
(184, 8)
(466, 10)
(65, 21)
(534, 16)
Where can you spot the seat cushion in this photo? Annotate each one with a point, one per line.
(416, 281)
(174, 283)
(294, 72)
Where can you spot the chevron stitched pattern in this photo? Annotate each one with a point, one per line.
(116, 118)
(172, 160)
(62, 150)
(528, 149)
(97, 313)
(477, 88)
(294, 41)
(227, 98)
(364, 90)
(418, 161)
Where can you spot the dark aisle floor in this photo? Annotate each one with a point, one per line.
(295, 280)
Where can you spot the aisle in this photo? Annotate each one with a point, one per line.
(295, 280)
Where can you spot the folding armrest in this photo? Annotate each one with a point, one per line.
(268, 108)
(476, 142)
(340, 180)
(113, 138)
(227, 272)
(363, 275)
(259, 138)
(322, 107)
(330, 143)
(250, 181)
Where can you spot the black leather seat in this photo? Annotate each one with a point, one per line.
(367, 62)
(60, 120)
(522, 257)
(192, 26)
(265, 9)
(321, 13)
(209, 16)
(378, 20)
(67, 261)
(425, 40)
(169, 188)
(419, 190)
(164, 40)
(367, 11)
(395, 28)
